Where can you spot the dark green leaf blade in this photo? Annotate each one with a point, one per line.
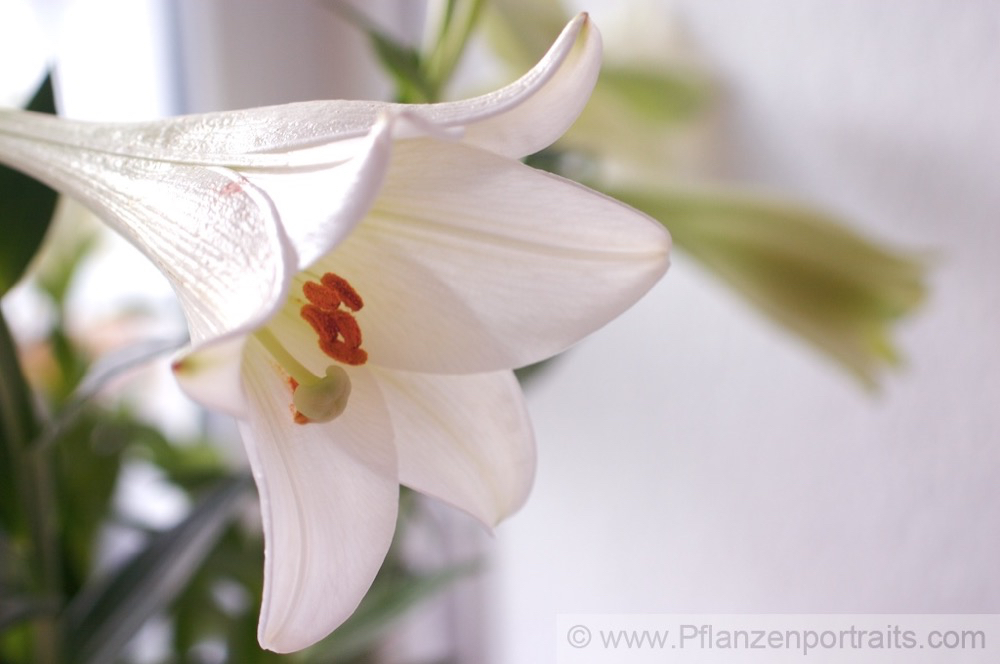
(18, 426)
(26, 207)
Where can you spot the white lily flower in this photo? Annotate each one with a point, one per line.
(359, 280)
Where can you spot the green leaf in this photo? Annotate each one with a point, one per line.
(836, 289)
(459, 20)
(87, 462)
(658, 95)
(27, 507)
(404, 65)
(87, 382)
(102, 620)
(521, 31)
(18, 426)
(192, 465)
(222, 602)
(402, 62)
(26, 208)
(15, 610)
(527, 374)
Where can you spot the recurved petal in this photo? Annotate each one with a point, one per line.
(466, 440)
(329, 495)
(516, 120)
(538, 108)
(470, 262)
(210, 231)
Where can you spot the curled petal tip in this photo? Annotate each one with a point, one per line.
(531, 113)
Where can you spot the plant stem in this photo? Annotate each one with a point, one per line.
(460, 18)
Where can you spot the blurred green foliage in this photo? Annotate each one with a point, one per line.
(837, 290)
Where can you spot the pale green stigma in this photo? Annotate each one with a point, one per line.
(323, 400)
(314, 398)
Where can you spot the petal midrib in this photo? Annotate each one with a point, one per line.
(61, 132)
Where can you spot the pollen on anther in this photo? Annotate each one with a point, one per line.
(297, 417)
(344, 290)
(324, 298)
(338, 331)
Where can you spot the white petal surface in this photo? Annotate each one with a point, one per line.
(466, 440)
(296, 135)
(211, 374)
(471, 263)
(211, 232)
(516, 120)
(329, 497)
(319, 208)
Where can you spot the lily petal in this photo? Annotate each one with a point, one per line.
(531, 113)
(466, 440)
(346, 190)
(329, 498)
(211, 374)
(211, 232)
(516, 120)
(511, 266)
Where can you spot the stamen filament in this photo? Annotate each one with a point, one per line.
(294, 368)
(315, 398)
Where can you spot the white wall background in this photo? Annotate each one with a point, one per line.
(695, 459)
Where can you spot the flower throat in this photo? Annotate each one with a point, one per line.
(330, 308)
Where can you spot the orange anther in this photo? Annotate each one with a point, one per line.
(338, 331)
(347, 294)
(324, 298)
